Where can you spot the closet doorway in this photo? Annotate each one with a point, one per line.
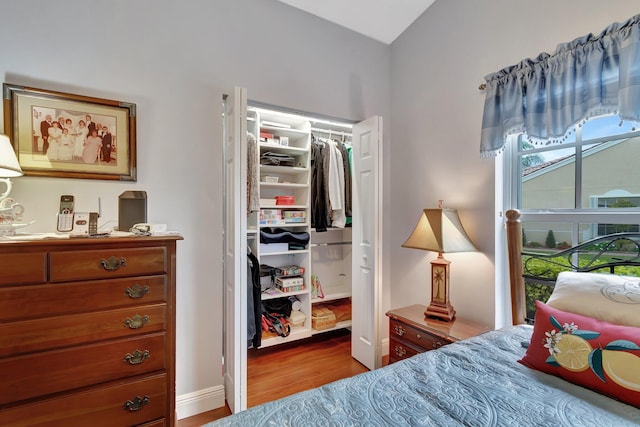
(288, 135)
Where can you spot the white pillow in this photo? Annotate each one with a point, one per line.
(607, 297)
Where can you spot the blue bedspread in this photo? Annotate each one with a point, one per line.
(476, 382)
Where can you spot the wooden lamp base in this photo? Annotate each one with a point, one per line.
(442, 312)
(440, 306)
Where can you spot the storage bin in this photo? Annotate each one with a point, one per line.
(267, 202)
(322, 318)
(289, 270)
(341, 309)
(297, 318)
(290, 284)
(285, 200)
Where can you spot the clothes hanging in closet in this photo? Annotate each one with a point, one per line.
(346, 165)
(319, 204)
(349, 149)
(253, 199)
(336, 186)
(254, 304)
(331, 185)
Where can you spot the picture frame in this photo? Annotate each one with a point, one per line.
(94, 138)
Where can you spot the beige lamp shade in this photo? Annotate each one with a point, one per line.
(9, 166)
(439, 230)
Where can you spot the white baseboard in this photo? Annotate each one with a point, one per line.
(190, 404)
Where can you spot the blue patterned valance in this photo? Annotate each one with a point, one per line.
(547, 96)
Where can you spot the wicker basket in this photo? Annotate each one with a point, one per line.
(322, 318)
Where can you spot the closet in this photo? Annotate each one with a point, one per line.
(303, 269)
(270, 177)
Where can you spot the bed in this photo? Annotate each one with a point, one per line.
(522, 375)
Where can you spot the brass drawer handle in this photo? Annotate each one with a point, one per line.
(418, 336)
(137, 322)
(399, 330)
(400, 351)
(112, 263)
(437, 344)
(136, 404)
(137, 291)
(137, 357)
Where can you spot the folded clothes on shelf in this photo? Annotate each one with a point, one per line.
(279, 235)
(276, 159)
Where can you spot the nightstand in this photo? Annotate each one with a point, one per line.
(410, 332)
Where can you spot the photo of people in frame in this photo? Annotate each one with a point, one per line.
(73, 137)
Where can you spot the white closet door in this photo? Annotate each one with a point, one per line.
(367, 238)
(235, 252)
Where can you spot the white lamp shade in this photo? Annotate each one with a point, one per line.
(9, 166)
(439, 230)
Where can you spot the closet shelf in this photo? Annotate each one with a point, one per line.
(277, 130)
(302, 251)
(339, 325)
(283, 148)
(286, 225)
(315, 245)
(284, 169)
(331, 297)
(283, 206)
(282, 185)
(297, 333)
(273, 293)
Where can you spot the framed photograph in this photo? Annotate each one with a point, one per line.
(70, 136)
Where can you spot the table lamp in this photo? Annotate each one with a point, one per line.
(440, 230)
(9, 166)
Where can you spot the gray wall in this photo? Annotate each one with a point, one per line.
(175, 60)
(436, 68)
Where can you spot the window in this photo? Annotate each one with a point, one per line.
(586, 187)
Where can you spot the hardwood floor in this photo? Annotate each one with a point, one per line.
(279, 371)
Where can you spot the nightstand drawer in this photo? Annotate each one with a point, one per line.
(420, 338)
(410, 332)
(399, 351)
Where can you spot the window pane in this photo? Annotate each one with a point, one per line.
(551, 184)
(609, 178)
(601, 127)
(546, 236)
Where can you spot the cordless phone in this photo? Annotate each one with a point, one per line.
(65, 214)
(93, 224)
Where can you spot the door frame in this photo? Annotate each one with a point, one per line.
(235, 294)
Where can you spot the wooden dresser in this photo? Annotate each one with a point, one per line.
(87, 332)
(410, 332)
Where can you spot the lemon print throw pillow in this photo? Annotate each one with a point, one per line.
(598, 355)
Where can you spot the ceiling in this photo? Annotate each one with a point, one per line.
(382, 20)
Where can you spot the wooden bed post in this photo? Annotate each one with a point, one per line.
(514, 249)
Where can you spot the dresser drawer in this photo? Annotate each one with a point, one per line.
(18, 302)
(416, 336)
(79, 366)
(105, 263)
(123, 403)
(32, 268)
(399, 351)
(55, 332)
